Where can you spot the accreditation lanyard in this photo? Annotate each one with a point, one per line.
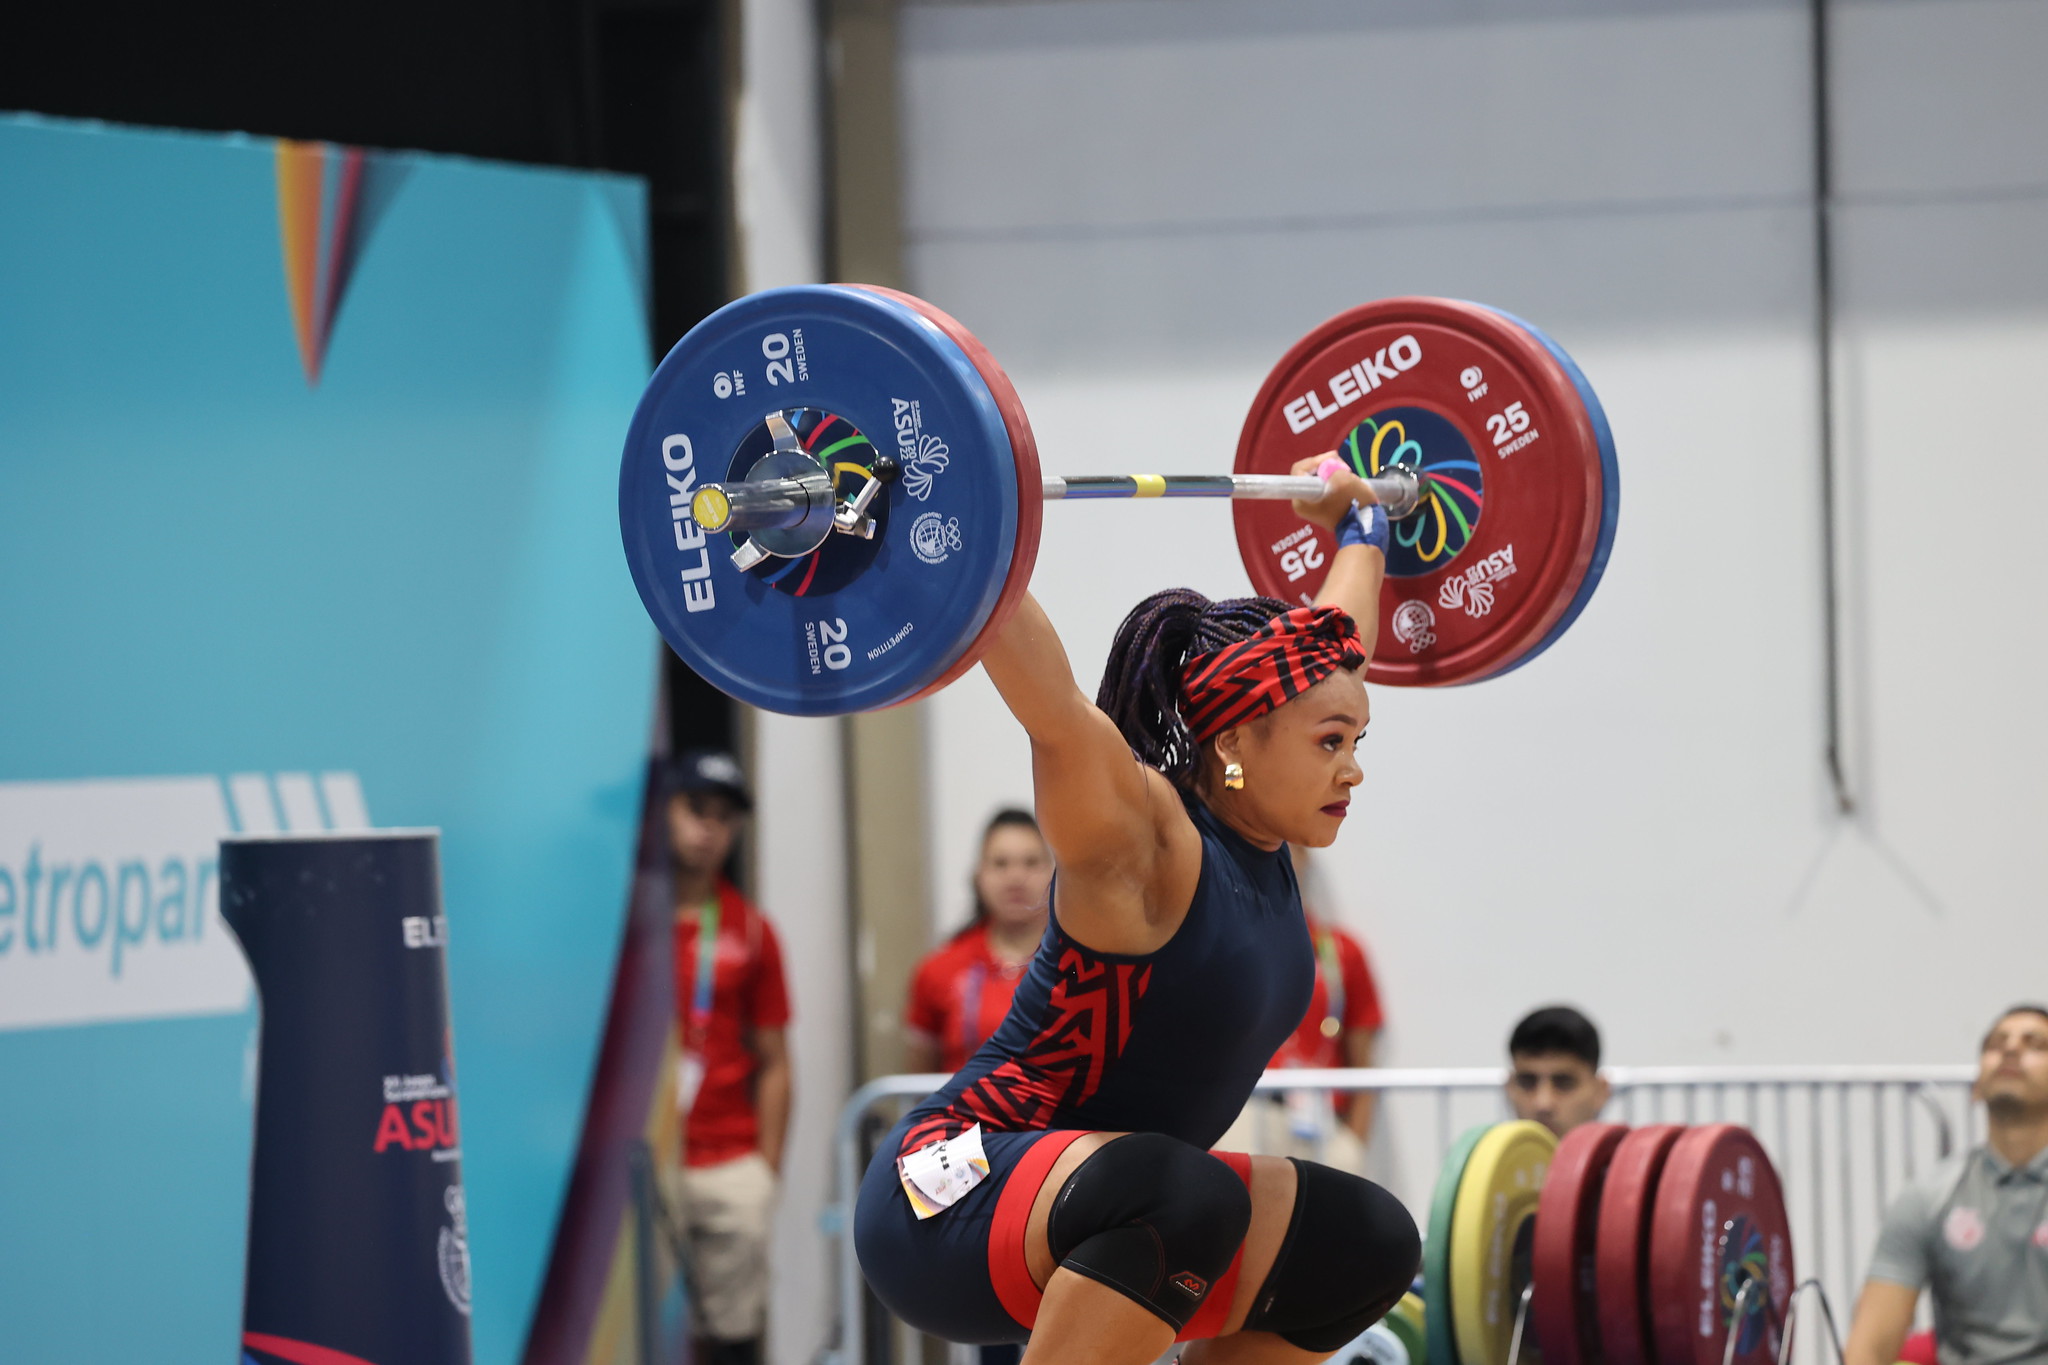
(1333, 982)
(970, 1008)
(1308, 1112)
(707, 963)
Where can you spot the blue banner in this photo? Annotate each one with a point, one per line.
(307, 459)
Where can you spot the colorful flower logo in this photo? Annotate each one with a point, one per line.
(1453, 492)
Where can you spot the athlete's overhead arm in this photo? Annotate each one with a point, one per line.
(1356, 568)
(1126, 850)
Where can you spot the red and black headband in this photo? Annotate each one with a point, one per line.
(1283, 659)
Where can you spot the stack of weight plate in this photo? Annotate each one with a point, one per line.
(1635, 1247)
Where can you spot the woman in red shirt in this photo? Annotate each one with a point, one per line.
(962, 989)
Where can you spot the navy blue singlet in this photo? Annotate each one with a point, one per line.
(1168, 1042)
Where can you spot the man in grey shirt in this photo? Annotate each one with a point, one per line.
(1975, 1233)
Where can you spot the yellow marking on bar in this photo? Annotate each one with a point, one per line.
(1149, 485)
(711, 508)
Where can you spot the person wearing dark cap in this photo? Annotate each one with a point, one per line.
(732, 1073)
(1554, 1069)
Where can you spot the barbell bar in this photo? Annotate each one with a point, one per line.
(831, 499)
(772, 501)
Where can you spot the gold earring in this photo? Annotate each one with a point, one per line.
(1233, 777)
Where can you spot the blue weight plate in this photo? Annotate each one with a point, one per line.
(856, 624)
(1610, 481)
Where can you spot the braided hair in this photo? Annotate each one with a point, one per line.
(1141, 684)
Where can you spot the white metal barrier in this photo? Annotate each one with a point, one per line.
(1845, 1141)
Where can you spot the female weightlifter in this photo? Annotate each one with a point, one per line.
(1060, 1187)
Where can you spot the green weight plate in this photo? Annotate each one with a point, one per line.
(1405, 1322)
(1438, 1332)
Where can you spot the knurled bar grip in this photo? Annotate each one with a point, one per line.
(780, 502)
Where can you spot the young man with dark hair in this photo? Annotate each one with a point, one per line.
(1975, 1233)
(1554, 1069)
(732, 1073)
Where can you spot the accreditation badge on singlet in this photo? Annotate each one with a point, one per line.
(939, 1174)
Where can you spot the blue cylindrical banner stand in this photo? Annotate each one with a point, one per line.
(358, 1245)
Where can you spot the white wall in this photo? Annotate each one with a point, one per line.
(1139, 205)
(801, 819)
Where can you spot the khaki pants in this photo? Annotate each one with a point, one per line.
(1264, 1129)
(724, 1213)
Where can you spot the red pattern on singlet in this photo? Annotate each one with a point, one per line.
(1087, 1026)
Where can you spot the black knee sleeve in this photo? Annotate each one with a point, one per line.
(1153, 1218)
(1350, 1253)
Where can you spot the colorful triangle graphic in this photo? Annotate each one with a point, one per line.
(328, 200)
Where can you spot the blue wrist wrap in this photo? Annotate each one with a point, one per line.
(1369, 529)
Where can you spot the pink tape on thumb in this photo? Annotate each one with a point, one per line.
(1331, 465)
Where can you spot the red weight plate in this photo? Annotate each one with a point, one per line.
(1621, 1245)
(1719, 1224)
(1565, 1308)
(1494, 559)
(1030, 483)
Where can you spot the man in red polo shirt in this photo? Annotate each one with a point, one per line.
(732, 1078)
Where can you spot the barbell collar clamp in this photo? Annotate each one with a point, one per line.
(774, 502)
(852, 517)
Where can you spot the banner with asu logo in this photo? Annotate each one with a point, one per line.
(358, 1250)
(307, 463)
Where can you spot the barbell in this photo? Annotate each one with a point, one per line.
(830, 495)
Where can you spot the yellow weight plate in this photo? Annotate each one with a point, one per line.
(1493, 1225)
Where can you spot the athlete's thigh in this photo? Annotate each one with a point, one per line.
(1037, 1248)
(1272, 1190)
